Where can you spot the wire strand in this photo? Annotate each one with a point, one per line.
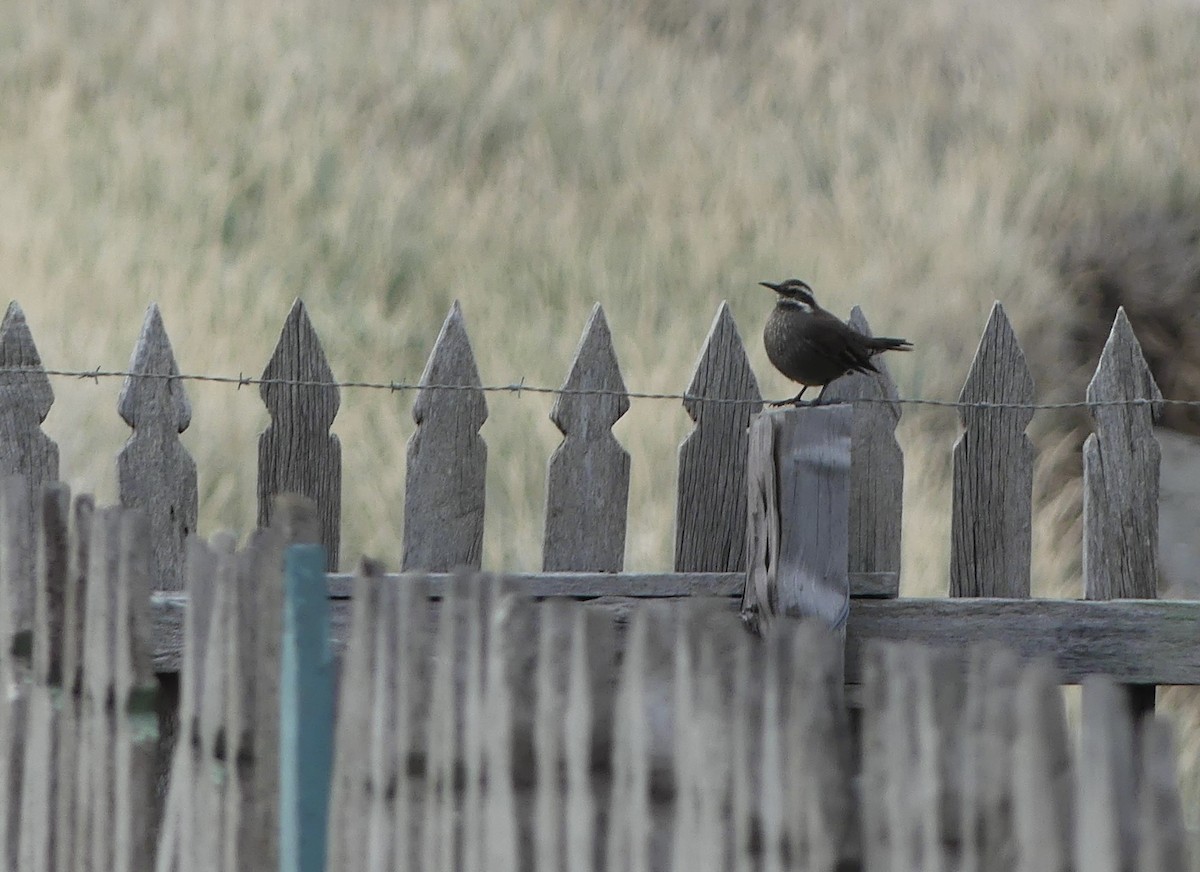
(520, 387)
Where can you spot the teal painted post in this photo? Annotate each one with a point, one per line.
(305, 712)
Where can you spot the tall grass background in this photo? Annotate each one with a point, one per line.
(530, 158)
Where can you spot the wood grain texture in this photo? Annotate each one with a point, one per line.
(799, 497)
(1136, 641)
(585, 585)
(1159, 652)
(877, 464)
(155, 473)
(1106, 838)
(447, 458)
(762, 523)
(1121, 461)
(710, 514)
(587, 483)
(297, 453)
(991, 527)
(1120, 474)
(25, 401)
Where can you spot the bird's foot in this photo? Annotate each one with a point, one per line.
(796, 402)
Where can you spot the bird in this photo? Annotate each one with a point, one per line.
(814, 347)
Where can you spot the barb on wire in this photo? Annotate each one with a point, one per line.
(520, 387)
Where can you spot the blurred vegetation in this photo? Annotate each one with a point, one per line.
(530, 158)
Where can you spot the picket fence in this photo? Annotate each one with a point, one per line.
(191, 608)
(1146, 642)
(480, 728)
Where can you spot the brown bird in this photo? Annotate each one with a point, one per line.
(814, 347)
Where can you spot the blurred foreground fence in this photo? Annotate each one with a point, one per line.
(479, 728)
(585, 717)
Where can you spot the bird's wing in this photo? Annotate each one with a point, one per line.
(843, 344)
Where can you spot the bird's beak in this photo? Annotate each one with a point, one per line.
(775, 288)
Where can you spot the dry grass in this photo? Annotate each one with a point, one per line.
(530, 158)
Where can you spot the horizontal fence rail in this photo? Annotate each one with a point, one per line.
(1147, 642)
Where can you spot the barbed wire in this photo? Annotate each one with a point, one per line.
(520, 387)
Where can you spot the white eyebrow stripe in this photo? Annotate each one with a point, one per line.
(796, 304)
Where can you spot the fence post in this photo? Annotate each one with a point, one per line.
(798, 480)
(306, 712)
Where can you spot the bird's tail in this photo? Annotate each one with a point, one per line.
(878, 344)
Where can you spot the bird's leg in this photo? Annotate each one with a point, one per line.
(817, 401)
(794, 401)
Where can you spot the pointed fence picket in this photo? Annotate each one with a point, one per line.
(710, 515)
(1120, 481)
(155, 473)
(993, 471)
(447, 458)
(587, 484)
(297, 454)
(25, 400)
(877, 473)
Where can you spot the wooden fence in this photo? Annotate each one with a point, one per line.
(1146, 642)
(588, 474)
(209, 635)
(480, 728)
